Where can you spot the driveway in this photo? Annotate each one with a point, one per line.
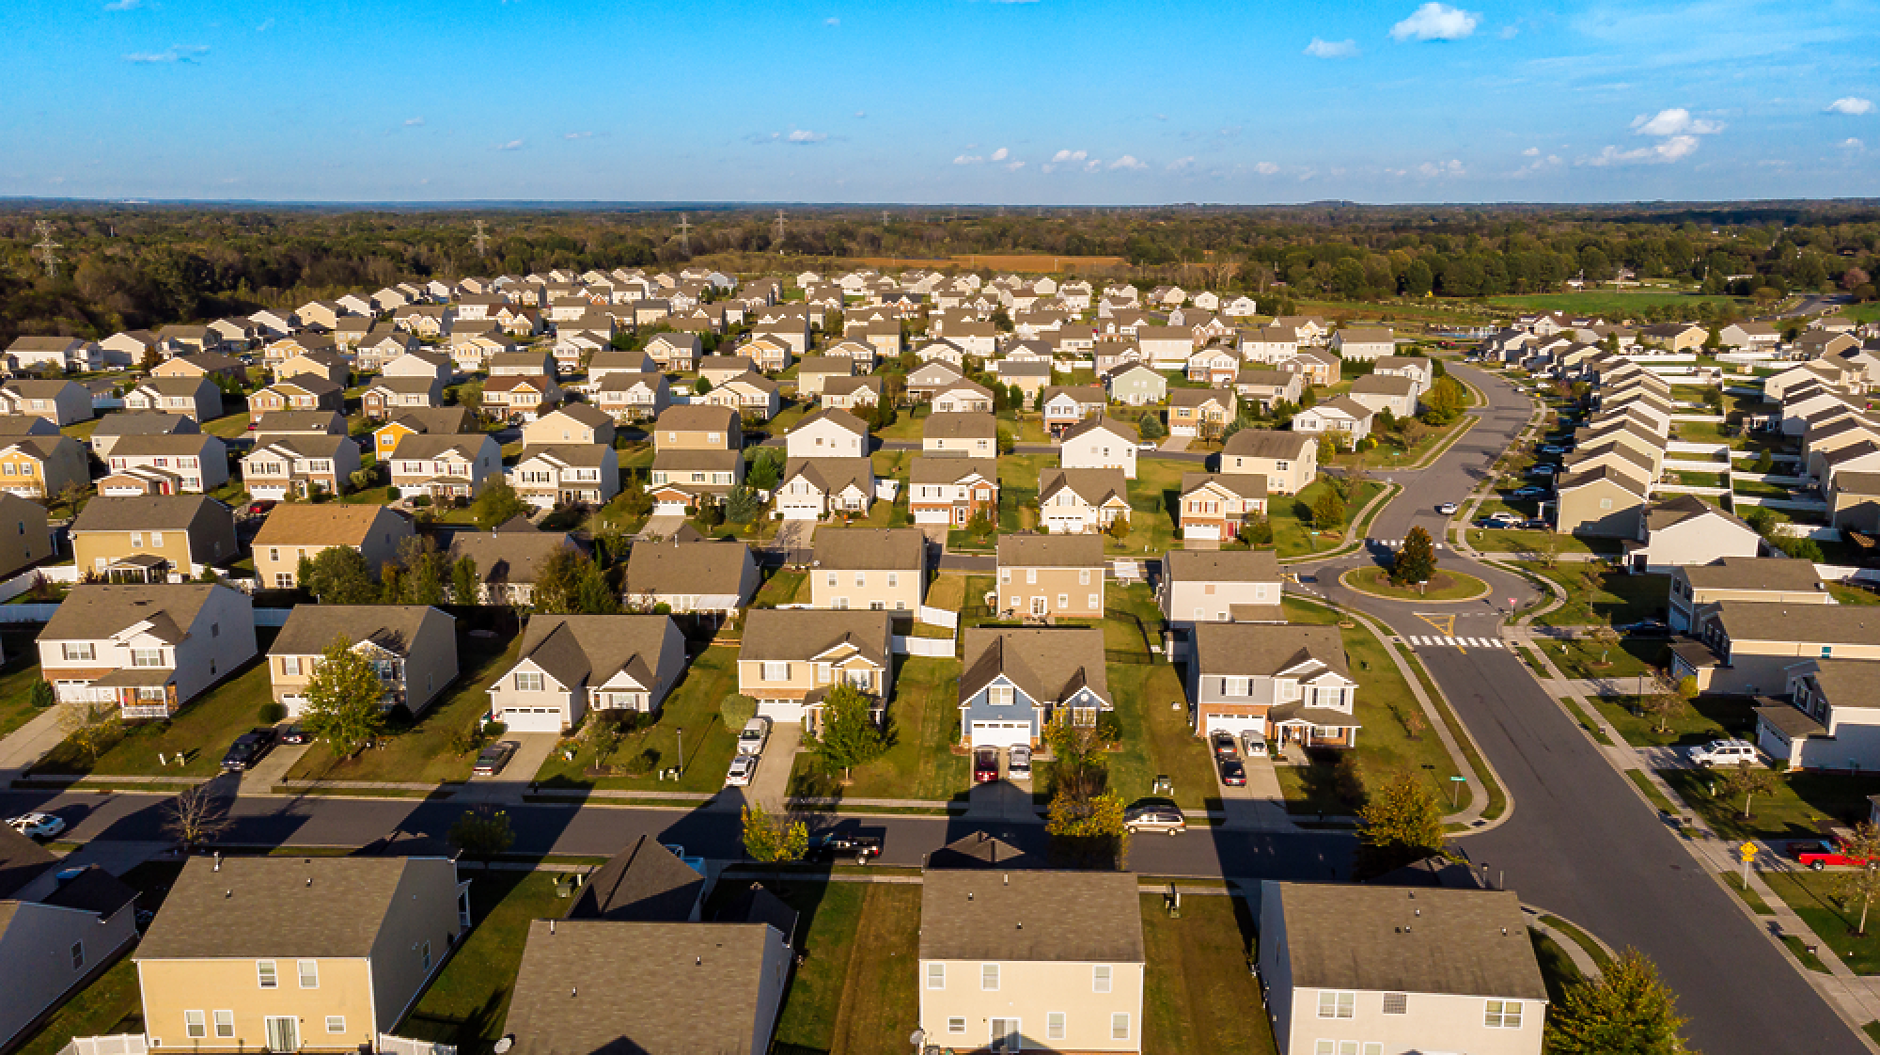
(771, 787)
(663, 526)
(272, 770)
(27, 744)
(1260, 805)
(509, 785)
(1174, 444)
(794, 536)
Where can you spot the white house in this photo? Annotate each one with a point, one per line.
(1100, 443)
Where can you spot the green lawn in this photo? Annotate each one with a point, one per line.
(1443, 586)
(693, 707)
(849, 995)
(1600, 595)
(1157, 737)
(1629, 657)
(1610, 302)
(201, 731)
(1018, 489)
(1813, 897)
(1859, 595)
(1557, 970)
(782, 587)
(1532, 545)
(1154, 499)
(1691, 479)
(420, 752)
(1291, 517)
(923, 719)
(1758, 489)
(229, 426)
(466, 1002)
(16, 680)
(1704, 719)
(1797, 807)
(1198, 995)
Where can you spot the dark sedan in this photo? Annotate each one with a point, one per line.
(248, 749)
(837, 846)
(1233, 774)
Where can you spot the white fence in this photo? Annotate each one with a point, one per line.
(118, 1044)
(939, 617)
(27, 613)
(941, 647)
(391, 1045)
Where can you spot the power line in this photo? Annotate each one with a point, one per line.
(481, 239)
(47, 250)
(685, 235)
(779, 235)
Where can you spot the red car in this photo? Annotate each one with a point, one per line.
(1820, 853)
(985, 765)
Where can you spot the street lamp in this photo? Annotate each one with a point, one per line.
(681, 731)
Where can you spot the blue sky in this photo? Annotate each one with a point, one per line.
(1044, 102)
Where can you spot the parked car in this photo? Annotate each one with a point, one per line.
(985, 765)
(1724, 753)
(1646, 628)
(293, 734)
(1820, 853)
(835, 846)
(1504, 519)
(248, 748)
(492, 759)
(1155, 815)
(1233, 774)
(753, 737)
(1535, 524)
(260, 508)
(743, 768)
(36, 825)
(1446, 508)
(1254, 744)
(1543, 470)
(1551, 448)
(1223, 742)
(1018, 761)
(1529, 491)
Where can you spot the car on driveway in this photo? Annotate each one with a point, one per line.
(1646, 628)
(1529, 491)
(842, 846)
(985, 765)
(1233, 774)
(1504, 520)
(753, 737)
(1724, 753)
(1018, 762)
(1552, 448)
(36, 825)
(1254, 744)
(1153, 815)
(492, 759)
(1447, 508)
(1828, 852)
(1223, 742)
(743, 768)
(248, 749)
(1543, 470)
(294, 734)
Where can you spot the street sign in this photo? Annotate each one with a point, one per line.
(1511, 602)
(1748, 850)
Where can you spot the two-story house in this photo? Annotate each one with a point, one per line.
(567, 474)
(423, 421)
(1100, 443)
(1214, 506)
(113, 427)
(633, 396)
(691, 576)
(1288, 460)
(30, 541)
(1051, 576)
(675, 351)
(60, 402)
(147, 649)
(1219, 586)
(196, 398)
(1364, 344)
(1748, 647)
(295, 464)
(1081, 501)
(1202, 412)
(574, 423)
(828, 434)
(961, 435)
(145, 539)
(173, 464)
(1381, 393)
(791, 658)
(520, 397)
(1284, 684)
(1769, 580)
(294, 531)
(411, 647)
(1018, 681)
(1686, 530)
(1342, 417)
(42, 466)
(392, 395)
(948, 490)
(569, 665)
(879, 569)
(1831, 720)
(1067, 405)
(303, 392)
(812, 488)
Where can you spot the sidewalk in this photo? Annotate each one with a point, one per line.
(29, 743)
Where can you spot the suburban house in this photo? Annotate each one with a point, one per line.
(1747, 647)
(1080, 501)
(1202, 412)
(1219, 586)
(1031, 960)
(633, 396)
(572, 664)
(1685, 529)
(850, 393)
(508, 560)
(698, 427)
(567, 474)
(305, 392)
(675, 351)
(1771, 580)
(721, 368)
(296, 954)
(962, 397)
(113, 427)
(929, 378)
(1136, 385)
(42, 466)
(1100, 443)
(60, 402)
(949, 490)
(147, 649)
(1051, 576)
(1380, 392)
(1267, 388)
(813, 370)
(1288, 460)
(878, 569)
(1213, 365)
(1608, 501)
(812, 488)
(1341, 417)
(791, 658)
(684, 479)
(962, 435)
(280, 465)
(1753, 336)
(1018, 681)
(1288, 685)
(520, 397)
(1065, 406)
(390, 396)
(30, 541)
(141, 539)
(329, 365)
(578, 423)
(196, 398)
(165, 465)
(411, 647)
(1214, 506)
(1356, 968)
(425, 421)
(1364, 344)
(447, 468)
(1831, 720)
(753, 395)
(697, 576)
(828, 434)
(1854, 502)
(60, 928)
(293, 531)
(1415, 367)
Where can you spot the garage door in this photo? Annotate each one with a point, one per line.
(532, 719)
(1211, 532)
(801, 512)
(781, 710)
(1001, 734)
(1234, 723)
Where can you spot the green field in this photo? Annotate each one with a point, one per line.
(1609, 302)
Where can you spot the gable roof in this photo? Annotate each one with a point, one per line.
(696, 417)
(1049, 664)
(1253, 565)
(847, 549)
(1265, 648)
(835, 416)
(310, 628)
(1031, 550)
(1121, 429)
(1755, 573)
(797, 634)
(947, 425)
(1266, 443)
(92, 612)
(145, 513)
(507, 555)
(330, 524)
(1036, 916)
(687, 567)
(643, 883)
(1094, 486)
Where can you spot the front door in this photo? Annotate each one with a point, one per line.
(283, 1033)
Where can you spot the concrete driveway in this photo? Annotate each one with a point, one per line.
(771, 787)
(272, 770)
(27, 744)
(509, 785)
(794, 535)
(663, 526)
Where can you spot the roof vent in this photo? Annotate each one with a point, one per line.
(574, 991)
(226, 894)
(310, 881)
(1008, 879)
(1021, 926)
(969, 895)
(1419, 913)
(551, 927)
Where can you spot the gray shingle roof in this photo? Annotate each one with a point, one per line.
(1051, 551)
(1755, 573)
(1048, 663)
(1034, 916)
(644, 883)
(145, 513)
(1254, 565)
(687, 568)
(1265, 443)
(959, 426)
(898, 549)
(1805, 625)
(310, 628)
(1265, 648)
(92, 612)
(779, 634)
(586, 650)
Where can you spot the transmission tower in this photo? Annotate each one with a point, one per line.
(47, 250)
(779, 234)
(481, 239)
(884, 217)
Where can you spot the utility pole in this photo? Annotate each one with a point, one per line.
(778, 236)
(47, 250)
(481, 239)
(884, 217)
(685, 235)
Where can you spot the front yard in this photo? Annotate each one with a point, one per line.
(1600, 595)
(1198, 995)
(924, 720)
(198, 734)
(1628, 657)
(1814, 898)
(1797, 807)
(1704, 719)
(468, 999)
(16, 681)
(635, 763)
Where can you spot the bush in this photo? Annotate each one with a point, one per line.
(42, 694)
(1109, 728)
(1257, 532)
(495, 728)
(421, 501)
(393, 493)
(271, 713)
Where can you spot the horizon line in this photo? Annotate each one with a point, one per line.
(668, 204)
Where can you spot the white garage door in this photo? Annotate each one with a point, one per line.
(781, 710)
(1001, 734)
(1210, 532)
(532, 719)
(801, 512)
(1234, 723)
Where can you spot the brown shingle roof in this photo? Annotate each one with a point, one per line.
(301, 524)
(1079, 917)
(1050, 551)
(901, 549)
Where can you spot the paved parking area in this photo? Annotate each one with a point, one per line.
(771, 787)
(509, 785)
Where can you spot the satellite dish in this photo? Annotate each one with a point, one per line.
(505, 1044)
(918, 1038)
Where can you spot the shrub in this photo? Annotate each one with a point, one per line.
(421, 501)
(495, 728)
(42, 694)
(393, 493)
(1109, 728)
(271, 713)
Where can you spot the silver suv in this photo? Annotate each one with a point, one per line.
(1724, 753)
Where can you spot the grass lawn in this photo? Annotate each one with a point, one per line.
(849, 995)
(1443, 586)
(692, 706)
(421, 752)
(1813, 897)
(229, 426)
(1531, 545)
(782, 588)
(1795, 810)
(947, 591)
(1629, 657)
(467, 1000)
(1705, 719)
(1600, 595)
(16, 681)
(1609, 302)
(1154, 496)
(1018, 489)
(1291, 518)
(1157, 738)
(201, 731)
(1557, 970)
(923, 717)
(1198, 995)
(1690, 479)
(1734, 880)
(1758, 488)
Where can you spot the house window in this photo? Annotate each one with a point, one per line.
(956, 1025)
(290, 666)
(1119, 1025)
(78, 955)
(776, 671)
(1083, 576)
(528, 682)
(936, 976)
(1396, 1003)
(309, 974)
(264, 973)
(1827, 651)
(195, 1024)
(1502, 1014)
(1337, 1005)
(1100, 978)
(894, 580)
(79, 652)
(1054, 1025)
(1095, 601)
(989, 977)
(146, 657)
(1000, 695)
(336, 1023)
(225, 1024)
(1064, 600)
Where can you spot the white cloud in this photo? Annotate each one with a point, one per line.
(1332, 49)
(514, 144)
(968, 159)
(174, 53)
(124, 5)
(1182, 164)
(1000, 154)
(1014, 166)
(1063, 156)
(413, 122)
(1674, 122)
(578, 135)
(265, 26)
(1673, 149)
(804, 135)
(832, 22)
(1539, 164)
(1851, 143)
(1531, 152)
(1266, 168)
(1434, 21)
(1092, 165)
(1432, 169)
(1510, 32)
(1129, 162)
(1851, 106)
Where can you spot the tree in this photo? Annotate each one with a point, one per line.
(736, 710)
(1118, 529)
(1444, 401)
(1415, 562)
(482, 831)
(343, 699)
(338, 575)
(497, 504)
(1627, 1010)
(1151, 426)
(466, 582)
(195, 817)
(1748, 781)
(1097, 818)
(1007, 443)
(91, 725)
(765, 469)
(1860, 884)
(42, 694)
(569, 583)
(849, 735)
(1328, 510)
(424, 571)
(1661, 707)
(703, 385)
(770, 839)
(1401, 823)
(742, 506)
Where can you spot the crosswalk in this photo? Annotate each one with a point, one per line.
(1393, 543)
(1453, 642)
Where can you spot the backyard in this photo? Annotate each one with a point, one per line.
(16, 681)
(466, 1002)
(1198, 995)
(851, 995)
(690, 712)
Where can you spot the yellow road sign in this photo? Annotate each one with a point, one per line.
(1747, 850)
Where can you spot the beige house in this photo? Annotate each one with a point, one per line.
(147, 649)
(54, 941)
(1346, 971)
(1686, 530)
(1607, 501)
(879, 569)
(195, 398)
(692, 576)
(1100, 443)
(1058, 576)
(574, 423)
(412, 649)
(1748, 647)
(1387, 392)
(29, 542)
(146, 539)
(851, 393)
(1288, 460)
(1854, 502)
(1202, 412)
(304, 392)
(426, 421)
(698, 427)
(447, 468)
(1080, 501)
(1771, 580)
(508, 561)
(60, 402)
(1364, 344)
(633, 396)
(1342, 417)
(812, 488)
(296, 954)
(961, 435)
(520, 397)
(572, 664)
(295, 530)
(791, 658)
(179, 463)
(1214, 506)
(1031, 960)
(282, 465)
(390, 396)
(1219, 586)
(1832, 720)
(567, 474)
(962, 397)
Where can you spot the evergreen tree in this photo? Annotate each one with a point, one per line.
(466, 582)
(1416, 559)
(1626, 1011)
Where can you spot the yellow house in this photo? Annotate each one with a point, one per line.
(36, 466)
(296, 954)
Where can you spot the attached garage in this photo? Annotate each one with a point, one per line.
(1234, 723)
(1001, 734)
(800, 508)
(1204, 532)
(781, 710)
(533, 719)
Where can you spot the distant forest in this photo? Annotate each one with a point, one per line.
(126, 266)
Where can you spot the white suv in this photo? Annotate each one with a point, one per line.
(1724, 753)
(753, 736)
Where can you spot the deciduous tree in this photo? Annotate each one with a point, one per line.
(338, 575)
(1627, 1010)
(1328, 510)
(849, 734)
(1401, 822)
(1860, 885)
(497, 504)
(771, 839)
(343, 700)
(1748, 781)
(196, 817)
(482, 831)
